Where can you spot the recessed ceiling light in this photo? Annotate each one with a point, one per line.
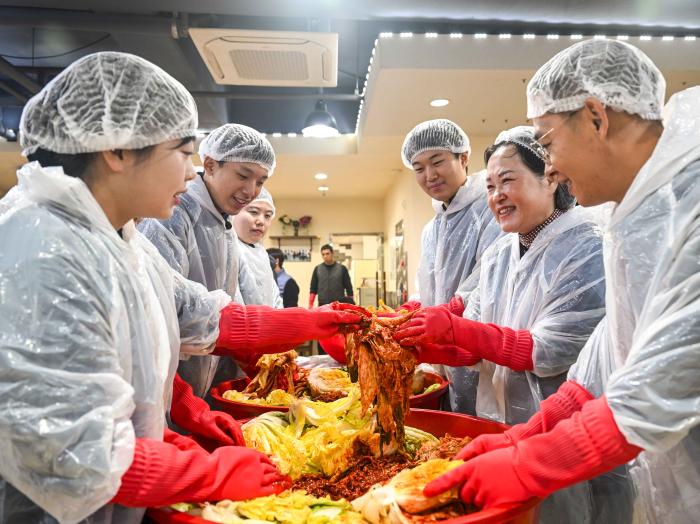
(439, 102)
(320, 176)
(323, 189)
(576, 36)
(529, 36)
(276, 135)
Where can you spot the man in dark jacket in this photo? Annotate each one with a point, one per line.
(330, 281)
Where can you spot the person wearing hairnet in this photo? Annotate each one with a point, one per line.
(256, 281)
(453, 241)
(540, 294)
(93, 318)
(85, 380)
(198, 241)
(597, 110)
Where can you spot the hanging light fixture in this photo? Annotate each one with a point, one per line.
(320, 123)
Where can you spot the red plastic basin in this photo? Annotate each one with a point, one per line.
(438, 423)
(243, 410)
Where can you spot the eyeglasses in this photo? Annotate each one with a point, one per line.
(542, 150)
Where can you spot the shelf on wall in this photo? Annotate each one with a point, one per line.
(280, 238)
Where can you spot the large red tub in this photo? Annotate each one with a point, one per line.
(438, 423)
(244, 410)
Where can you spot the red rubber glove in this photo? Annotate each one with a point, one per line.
(262, 328)
(455, 306)
(335, 347)
(445, 354)
(193, 414)
(501, 345)
(161, 474)
(312, 299)
(411, 305)
(181, 442)
(577, 449)
(569, 398)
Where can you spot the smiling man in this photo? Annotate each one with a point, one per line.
(453, 241)
(598, 110)
(198, 240)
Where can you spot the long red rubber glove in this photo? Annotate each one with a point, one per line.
(181, 442)
(454, 306)
(569, 398)
(251, 329)
(194, 415)
(501, 345)
(577, 449)
(161, 474)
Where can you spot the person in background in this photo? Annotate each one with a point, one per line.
(288, 287)
(437, 151)
(598, 112)
(540, 295)
(256, 281)
(330, 281)
(198, 240)
(92, 318)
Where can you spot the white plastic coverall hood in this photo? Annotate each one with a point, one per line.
(256, 281)
(647, 351)
(451, 246)
(89, 338)
(196, 243)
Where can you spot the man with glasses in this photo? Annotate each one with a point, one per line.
(597, 109)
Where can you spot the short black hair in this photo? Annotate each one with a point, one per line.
(562, 198)
(77, 165)
(277, 254)
(328, 247)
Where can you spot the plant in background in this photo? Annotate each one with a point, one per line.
(286, 222)
(295, 223)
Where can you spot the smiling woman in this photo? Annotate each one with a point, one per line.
(520, 196)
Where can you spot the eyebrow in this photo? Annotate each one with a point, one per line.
(504, 172)
(429, 159)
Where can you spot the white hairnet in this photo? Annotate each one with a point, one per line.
(440, 134)
(265, 196)
(523, 136)
(238, 143)
(107, 101)
(618, 74)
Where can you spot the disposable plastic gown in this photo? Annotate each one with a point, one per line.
(557, 292)
(451, 246)
(89, 338)
(647, 352)
(196, 243)
(256, 281)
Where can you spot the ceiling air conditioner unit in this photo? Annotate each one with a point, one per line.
(269, 58)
